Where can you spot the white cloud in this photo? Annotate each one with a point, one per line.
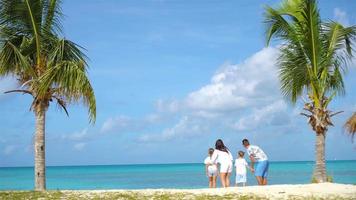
(9, 149)
(239, 97)
(185, 128)
(79, 146)
(341, 16)
(77, 135)
(124, 123)
(116, 124)
(273, 114)
(234, 87)
(171, 106)
(153, 118)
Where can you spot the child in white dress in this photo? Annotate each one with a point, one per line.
(241, 165)
(211, 168)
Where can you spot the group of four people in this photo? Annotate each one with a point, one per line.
(220, 163)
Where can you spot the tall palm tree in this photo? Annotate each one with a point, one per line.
(350, 125)
(313, 56)
(47, 66)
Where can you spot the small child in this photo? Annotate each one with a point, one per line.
(211, 168)
(241, 164)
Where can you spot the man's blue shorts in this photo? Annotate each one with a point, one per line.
(261, 168)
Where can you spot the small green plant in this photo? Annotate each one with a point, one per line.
(313, 180)
(329, 179)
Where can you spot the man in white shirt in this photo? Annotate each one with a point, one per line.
(259, 161)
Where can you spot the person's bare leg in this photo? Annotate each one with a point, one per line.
(259, 180)
(264, 181)
(227, 179)
(222, 178)
(210, 182)
(214, 181)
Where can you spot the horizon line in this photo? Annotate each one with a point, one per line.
(129, 164)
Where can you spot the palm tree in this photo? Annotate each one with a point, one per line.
(47, 66)
(313, 56)
(350, 125)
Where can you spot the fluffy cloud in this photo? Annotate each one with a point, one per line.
(251, 83)
(234, 87)
(341, 16)
(124, 123)
(116, 124)
(273, 114)
(186, 127)
(239, 97)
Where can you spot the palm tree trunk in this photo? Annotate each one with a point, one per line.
(40, 161)
(320, 169)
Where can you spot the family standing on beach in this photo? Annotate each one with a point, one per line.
(220, 163)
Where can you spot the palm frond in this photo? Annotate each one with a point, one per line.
(65, 50)
(52, 16)
(31, 49)
(13, 61)
(72, 82)
(350, 125)
(22, 91)
(61, 103)
(293, 71)
(313, 55)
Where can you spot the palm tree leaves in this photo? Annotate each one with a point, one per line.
(311, 40)
(69, 81)
(28, 16)
(293, 71)
(314, 54)
(13, 61)
(350, 125)
(65, 50)
(53, 15)
(49, 66)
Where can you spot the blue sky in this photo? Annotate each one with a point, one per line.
(170, 77)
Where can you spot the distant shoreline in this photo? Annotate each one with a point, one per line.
(297, 191)
(154, 164)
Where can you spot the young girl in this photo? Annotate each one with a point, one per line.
(240, 165)
(211, 169)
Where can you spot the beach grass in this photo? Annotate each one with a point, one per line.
(29, 195)
(129, 195)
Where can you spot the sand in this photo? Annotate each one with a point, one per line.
(307, 191)
(304, 191)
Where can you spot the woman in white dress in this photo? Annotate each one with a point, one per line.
(224, 158)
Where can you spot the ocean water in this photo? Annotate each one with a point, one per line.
(161, 175)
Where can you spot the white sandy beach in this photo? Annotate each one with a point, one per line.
(305, 191)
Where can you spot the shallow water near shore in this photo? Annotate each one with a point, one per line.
(161, 175)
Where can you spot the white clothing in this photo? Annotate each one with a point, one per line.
(221, 156)
(224, 159)
(212, 168)
(240, 165)
(257, 153)
(241, 178)
(226, 167)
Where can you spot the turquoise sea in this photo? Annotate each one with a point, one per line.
(161, 175)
